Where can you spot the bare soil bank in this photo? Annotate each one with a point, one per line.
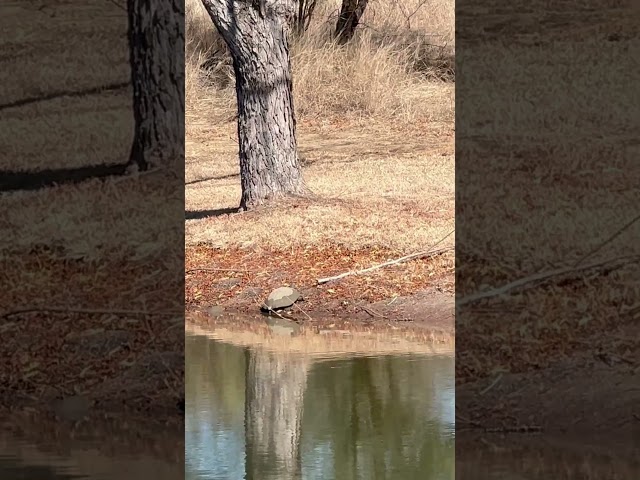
(416, 296)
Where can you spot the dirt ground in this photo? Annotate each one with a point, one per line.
(415, 295)
(126, 368)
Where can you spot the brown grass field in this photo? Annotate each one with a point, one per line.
(376, 138)
(376, 135)
(551, 354)
(74, 247)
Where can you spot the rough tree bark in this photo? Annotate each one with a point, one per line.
(275, 385)
(256, 32)
(156, 46)
(350, 14)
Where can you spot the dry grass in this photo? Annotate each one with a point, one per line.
(106, 245)
(76, 130)
(567, 181)
(380, 73)
(55, 55)
(375, 135)
(372, 193)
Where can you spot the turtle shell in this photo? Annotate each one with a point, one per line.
(282, 297)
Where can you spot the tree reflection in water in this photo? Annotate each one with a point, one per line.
(287, 416)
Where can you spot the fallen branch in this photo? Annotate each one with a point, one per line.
(305, 313)
(472, 424)
(616, 234)
(517, 429)
(493, 384)
(216, 270)
(372, 312)
(542, 277)
(414, 256)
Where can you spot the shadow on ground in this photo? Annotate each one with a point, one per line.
(200, 214)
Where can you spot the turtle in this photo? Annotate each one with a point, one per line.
(280, 298)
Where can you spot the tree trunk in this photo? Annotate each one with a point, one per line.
(256, 33)
(350, 15)
(156, 44)
(304, 16)
(275, 385)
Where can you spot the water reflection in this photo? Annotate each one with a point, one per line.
(257, 414)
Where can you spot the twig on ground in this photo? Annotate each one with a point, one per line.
(492, 445)
(517, 429)
(472, 424)
(610, 239)
(493, 384)
(192, 270)
(468, 421)
(413, 256)
(263, 307)
(543, 276)
(305, 313)
(120, 6)
(371, 311)
(429, 253)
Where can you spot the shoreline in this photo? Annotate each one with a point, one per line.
(328, 336)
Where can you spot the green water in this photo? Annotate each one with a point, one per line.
(255, 415)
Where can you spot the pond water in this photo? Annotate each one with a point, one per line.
(259, 414)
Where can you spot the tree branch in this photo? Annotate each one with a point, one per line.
(543, 276)
(428, 253)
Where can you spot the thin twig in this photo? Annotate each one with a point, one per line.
(540, 277)
(371, 311)
(493, 384)
(517, 429)
(216, 270)
(305, 313)
(408, 17)
(616, 234)
(430, 253)
(264, 308)
(120, 6)
(414, 256)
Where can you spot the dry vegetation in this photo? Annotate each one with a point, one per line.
(567, 183)
(103, 246)
(376, 137)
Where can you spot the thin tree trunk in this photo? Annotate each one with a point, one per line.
(305, 13)
(156, 43)
(256, 33)
(350, 14)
